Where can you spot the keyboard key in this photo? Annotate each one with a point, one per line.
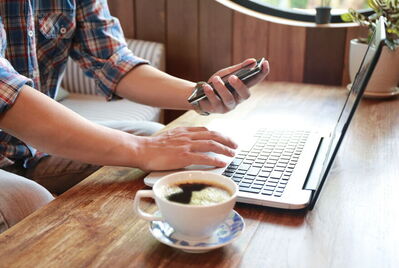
(264, 174)
(236, 179)
(244, 167)
(267, 192)
(276, 174)
(257, 186)
(236, 162)
(250, 190)
(244, 185)
(271, 184)
(273, 180)
(246, 181)
(253, 171)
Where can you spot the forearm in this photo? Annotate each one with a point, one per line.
(146, 84)
(50, 127)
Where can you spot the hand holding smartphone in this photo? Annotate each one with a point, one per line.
(245, 74)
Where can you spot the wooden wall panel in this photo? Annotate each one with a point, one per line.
(215, 37)
(150, 20)
(325, 50)
(250, 37)
(182, 57)
(286, 52)
(124, 11)
(351, 33)
(202, 36)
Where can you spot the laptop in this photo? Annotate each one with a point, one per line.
(287, 168)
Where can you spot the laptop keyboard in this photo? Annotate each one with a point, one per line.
(266, 167)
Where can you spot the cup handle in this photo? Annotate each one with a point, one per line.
(144, 215)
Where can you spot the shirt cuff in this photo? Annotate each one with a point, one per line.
(115, 69)
(11, 83)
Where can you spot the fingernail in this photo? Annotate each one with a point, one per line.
(221, 164)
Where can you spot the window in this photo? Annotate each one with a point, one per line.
(303, 10)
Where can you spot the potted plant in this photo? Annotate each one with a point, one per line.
(385, 79)
(323, 12)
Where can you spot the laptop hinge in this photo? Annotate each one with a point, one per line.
(313, 176)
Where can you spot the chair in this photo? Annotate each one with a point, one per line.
(82, 97)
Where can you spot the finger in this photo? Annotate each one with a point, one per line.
(231, 69)
(204, 159)
(241, 89)
(226, 96)
(262, 76)
(211, 146)
(178, 131)
(213, 99)
(192, 129)
(215, 136)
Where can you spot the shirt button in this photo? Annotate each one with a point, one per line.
(30, 33)
(63, 30)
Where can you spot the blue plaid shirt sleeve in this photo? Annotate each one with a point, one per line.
(99, 46)
(10, 80)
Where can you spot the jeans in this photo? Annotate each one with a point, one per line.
(22, 191)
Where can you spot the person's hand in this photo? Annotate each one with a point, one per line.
(228, 100)
(183, 146)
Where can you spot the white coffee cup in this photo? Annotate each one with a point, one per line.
(189, 221)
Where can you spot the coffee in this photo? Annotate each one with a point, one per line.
(196, 193)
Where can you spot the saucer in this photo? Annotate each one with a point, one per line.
(376, 94)
(226, 233)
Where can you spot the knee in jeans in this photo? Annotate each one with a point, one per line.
(19, 197)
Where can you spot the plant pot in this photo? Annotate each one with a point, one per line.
(323, 15)
(385, 79)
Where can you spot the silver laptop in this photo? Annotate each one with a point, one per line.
(287, 168)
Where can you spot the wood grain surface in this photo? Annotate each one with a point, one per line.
(215, 38)
(150, 20)
(354, 223)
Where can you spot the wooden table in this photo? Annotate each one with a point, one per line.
(354, 224)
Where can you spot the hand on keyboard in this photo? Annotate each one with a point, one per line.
(183, 146)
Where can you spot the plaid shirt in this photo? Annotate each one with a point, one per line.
(38, 36)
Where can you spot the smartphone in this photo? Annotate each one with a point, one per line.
(245, 74)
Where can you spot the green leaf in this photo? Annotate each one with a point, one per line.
(347, 17)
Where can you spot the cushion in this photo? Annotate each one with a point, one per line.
(96, 109)
(61, 94)
(75, 81)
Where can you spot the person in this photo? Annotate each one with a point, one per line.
(46, 148)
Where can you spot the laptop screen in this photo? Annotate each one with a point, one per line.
(358, 86)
